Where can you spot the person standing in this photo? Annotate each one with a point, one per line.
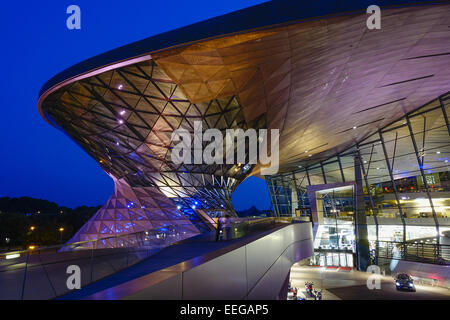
(226, 227)
(218, 228)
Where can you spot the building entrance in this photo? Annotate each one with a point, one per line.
(334, 244)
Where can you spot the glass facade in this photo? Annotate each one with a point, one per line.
(124, 118)
(406, 182)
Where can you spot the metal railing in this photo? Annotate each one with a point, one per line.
(416, 251)
(42, 273)
(413, 251)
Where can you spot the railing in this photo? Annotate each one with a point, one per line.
(414, 251)
(42, 273)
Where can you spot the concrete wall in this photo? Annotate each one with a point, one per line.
(423, 272)
(256, 270)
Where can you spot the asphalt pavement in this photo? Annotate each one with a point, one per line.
(352, 285)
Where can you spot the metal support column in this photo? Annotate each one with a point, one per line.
(275, 196)
(288, 204)
(372, 204)
(445, 115)
(307, 176)
(323, 173)
(361, 234)
(340, 168)
(294, 196)
(386, 158)
(422, 173)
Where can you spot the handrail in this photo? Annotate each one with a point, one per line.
(79, 243)
(414, 251)
(118, 236)
(97, 259)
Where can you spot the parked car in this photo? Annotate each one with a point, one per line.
(404, 282)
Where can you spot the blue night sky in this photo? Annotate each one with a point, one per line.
(40, 161)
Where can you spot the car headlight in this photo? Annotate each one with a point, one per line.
(410, 284)
(397, 283)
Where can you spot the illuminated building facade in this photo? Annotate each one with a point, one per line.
(124, 119)
(319, 76)
(406, 185)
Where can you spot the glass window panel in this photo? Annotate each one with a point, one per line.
(332, 172)
(429, 106)
(315, 175)
(395, 125)
(301, 179)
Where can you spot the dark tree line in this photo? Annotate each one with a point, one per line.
(254, 212)
(18, 216)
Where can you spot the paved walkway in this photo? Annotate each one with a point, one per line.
(186, 250)
(352, 285)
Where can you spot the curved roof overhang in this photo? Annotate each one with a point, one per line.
(266, 15)
(264, 21)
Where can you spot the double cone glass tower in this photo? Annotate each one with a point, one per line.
(362, 115)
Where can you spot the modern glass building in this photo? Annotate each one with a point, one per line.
(406, 186)
(124, 118)
(362, 115)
